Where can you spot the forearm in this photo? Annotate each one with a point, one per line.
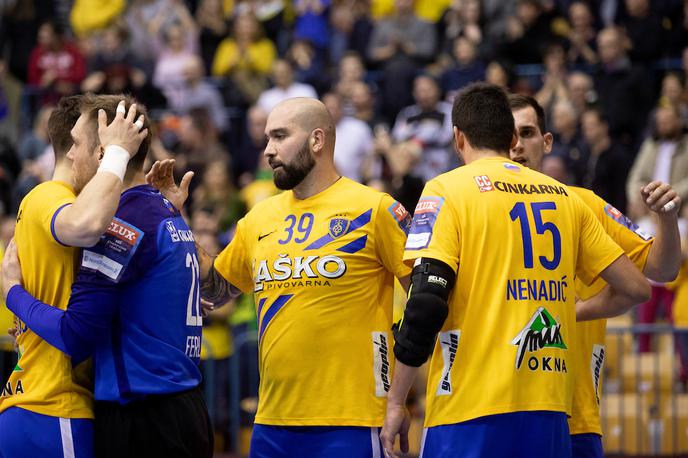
(664, 258)
(403, 379)
(214, 288)
(607, 303)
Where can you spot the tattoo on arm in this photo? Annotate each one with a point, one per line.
(216, 289)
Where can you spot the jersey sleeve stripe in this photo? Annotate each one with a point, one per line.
(272, 311)
(355, 246)
(52, 224)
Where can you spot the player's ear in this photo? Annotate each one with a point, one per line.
(549, 140)
(459, 138)
(317, 140)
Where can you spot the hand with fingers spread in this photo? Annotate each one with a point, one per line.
(124, 131)
(397, 421)
(661, 198)
(11, 269)
(161, 176)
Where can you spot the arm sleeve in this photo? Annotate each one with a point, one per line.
(46, 210)
(233, 264)
(391, 226)
(74, 331)
(435, 229)
(596, 250)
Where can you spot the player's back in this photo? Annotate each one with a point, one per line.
(515, 235)
(148, 255)
(44, 380)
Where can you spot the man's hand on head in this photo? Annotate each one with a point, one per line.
(124, 131)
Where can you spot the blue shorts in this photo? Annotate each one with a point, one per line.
(315, 442)
(587, 446)
(28, 434)
(518, 434)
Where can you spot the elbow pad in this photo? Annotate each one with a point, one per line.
(426, 311)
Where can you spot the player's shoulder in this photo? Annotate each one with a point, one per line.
(51, 190)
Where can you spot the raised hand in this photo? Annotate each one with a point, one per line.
(661, 198)
(161, 177)
(123, 131)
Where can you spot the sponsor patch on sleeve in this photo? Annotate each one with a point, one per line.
(625, 221)
(423, 222)
(113, 252)
(402, 216)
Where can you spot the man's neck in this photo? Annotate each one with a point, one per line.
(63, 172)
(137, 179)
(316, 182)
(470, 154)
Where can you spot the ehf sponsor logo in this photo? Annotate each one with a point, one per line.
(449, 343)
(402, 216)
(381, 367)
(596, 365)
(484, 183)
(625, 221)
(300, 271)
(542, 331)
(178, 235)
(123, 231)
(101, 263)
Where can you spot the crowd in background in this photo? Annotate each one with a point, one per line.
(611, 75)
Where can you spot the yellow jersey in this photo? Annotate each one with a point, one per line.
(6, 319)
(322, 270)
(589, 351)
(516, 239)
(44, 380)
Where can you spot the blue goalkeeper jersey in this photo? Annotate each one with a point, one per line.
(135, 304)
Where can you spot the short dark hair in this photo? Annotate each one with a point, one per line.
(61, 122)
(519, 102)
(91, 103)
(482, 112)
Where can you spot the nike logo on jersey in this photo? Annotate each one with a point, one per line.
(261, 237)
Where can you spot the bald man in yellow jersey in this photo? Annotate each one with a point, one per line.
(658, 257)
(495, 248)
(46, 405)
(321, 259)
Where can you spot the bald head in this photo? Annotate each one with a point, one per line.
(308, 115)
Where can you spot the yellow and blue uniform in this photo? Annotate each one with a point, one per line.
(516, 239)
(45, 390)
(589, 352)
(322, 271)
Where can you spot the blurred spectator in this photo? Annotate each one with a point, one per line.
(673, 93)
(89, 16)
(427, 122)
(19, 23)
(363, 104)
(342, 22)
(271, 17)
(661, 157)
(245, 58)
(251, 149)
(460, 19)
(400, 44)
(9, 170)
(198, 93)
(146, 18)
(498, 73)
(10, 105)
(114, 50)
(496, 15)
(643, 27)
(582, 47)
(308, 64)
(353, 140)
(554, 80)
(56, 65)
(213, 27)
(178, 45)
(312, 22)
(285, 87)
(261, 187)
(608, 162)
(198, 144)
(568, 142)
(466, 68)
(624, 90)
(34, 142)
(555, 167)
(581, 91)
(527, 33)
(350, 71)
(216, 194)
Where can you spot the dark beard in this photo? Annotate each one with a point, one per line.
(291, 175)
